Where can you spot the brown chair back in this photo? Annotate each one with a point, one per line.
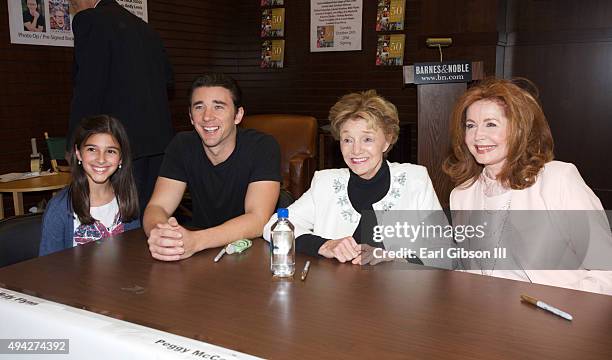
(297, 136)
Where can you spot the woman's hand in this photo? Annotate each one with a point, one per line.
(370, 256)
(345, 249)
(367, 255)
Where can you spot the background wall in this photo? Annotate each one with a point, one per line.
(215, 35)
(311, 83)
(37, 80)
(565, 47)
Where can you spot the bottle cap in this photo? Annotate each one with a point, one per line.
(282, 213)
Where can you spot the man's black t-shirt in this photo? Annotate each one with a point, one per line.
(218, 191)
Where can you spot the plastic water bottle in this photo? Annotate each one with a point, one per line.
(282, 246)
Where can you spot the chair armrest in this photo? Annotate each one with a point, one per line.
(301, 169)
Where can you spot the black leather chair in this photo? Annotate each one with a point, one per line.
(19, 238)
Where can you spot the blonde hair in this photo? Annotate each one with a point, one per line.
(369, 106)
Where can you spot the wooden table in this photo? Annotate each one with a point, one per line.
(340, 311)
(40, 183)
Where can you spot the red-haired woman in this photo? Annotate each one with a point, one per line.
(502, 159)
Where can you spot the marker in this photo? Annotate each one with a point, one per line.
(545, 306)
(305, 271)
(220, 254)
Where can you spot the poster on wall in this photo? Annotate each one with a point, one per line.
(335, 25)
(136, 7)
(390, 50)
(272, 2)
(273, 22)
(390, 15)
(49, 22)
(272, 54)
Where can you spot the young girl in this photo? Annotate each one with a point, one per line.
(101, 201)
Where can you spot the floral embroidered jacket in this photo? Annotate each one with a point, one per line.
(325, 209)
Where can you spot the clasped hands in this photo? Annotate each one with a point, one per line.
(346, 249)
(170, 241)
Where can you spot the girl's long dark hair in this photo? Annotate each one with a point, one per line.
(122, 180)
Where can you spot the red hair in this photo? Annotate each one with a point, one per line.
(530, 143)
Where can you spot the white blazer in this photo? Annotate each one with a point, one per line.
(325, 209)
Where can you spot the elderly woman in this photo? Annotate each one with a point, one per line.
(502, 159)
(329, 218)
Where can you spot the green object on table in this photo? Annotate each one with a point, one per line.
(238, 246)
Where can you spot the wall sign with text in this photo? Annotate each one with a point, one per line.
(335, 25)
(442, 72)
(49, 22)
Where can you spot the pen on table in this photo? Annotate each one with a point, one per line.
(220, 254)
(305, 270)
(545, 306)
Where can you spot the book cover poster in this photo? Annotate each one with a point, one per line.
(390, 15)
(273, 22)
(272, 53)
(272, 2)
(325, 36)
(390, 50)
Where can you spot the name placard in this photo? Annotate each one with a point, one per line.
(442, 72)
(32, 325)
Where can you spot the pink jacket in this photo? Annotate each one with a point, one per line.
(559, 186)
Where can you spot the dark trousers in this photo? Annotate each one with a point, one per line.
(145, 170)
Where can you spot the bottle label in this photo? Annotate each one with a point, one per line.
(282, 242)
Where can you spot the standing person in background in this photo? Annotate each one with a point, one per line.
(121, 69)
